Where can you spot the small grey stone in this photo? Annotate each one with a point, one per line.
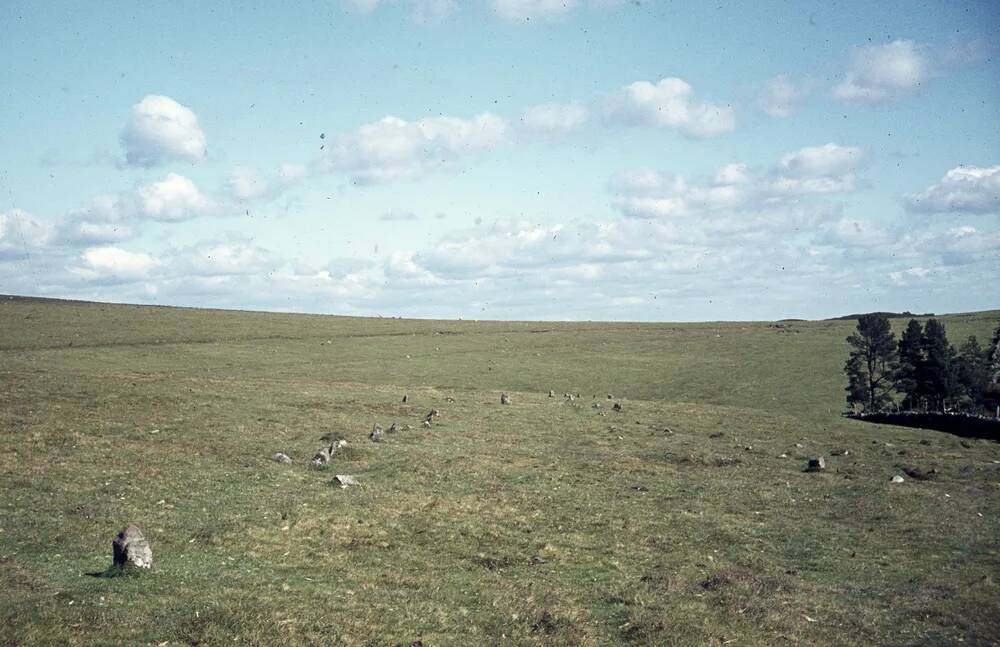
(130, 548)
(504, 398)
(392, 429)
(345, 480)
(376, 434)
(897, 479)
(552, 393)
(281, 457)
(617, 406)
(817, 464)
(427, 422)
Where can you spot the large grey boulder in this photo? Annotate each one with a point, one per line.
(131, 549)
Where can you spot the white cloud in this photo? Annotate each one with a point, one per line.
(424, 11)
(963, 189)
(910, 275)
(734, 188)
(670, 103)
(247, 184)
(113, 264)
(173, 198)
(882, 72)
(21, 233)
(817, 169)
(851, 233)
(781, 97)
(159, 130)
(526, 10)
(394, 149)
(555, 118)
(397, 216)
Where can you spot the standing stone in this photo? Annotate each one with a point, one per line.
(323, 456)
(376, 434)
(504, 398)
(405, 398)
(552, 393)
(392, 429)
(131, 548)
(817, 464)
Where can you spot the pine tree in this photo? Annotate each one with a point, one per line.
(992, 391)
(872, 365)
(971, 371)
(938, 377)
(911, 359)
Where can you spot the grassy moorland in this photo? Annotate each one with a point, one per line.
(684, 519)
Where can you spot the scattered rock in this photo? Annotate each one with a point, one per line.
(617, 407)
(392, 429)
(345, 480)
(449, 399)
(504, 398)
(427, 423)
(817, 464)
(281, 458)
(552, 393)
(897, 479)
(919, 474)
(130, 548)
(640, 488)
(596, 405)
(840, 452)
(405, 398)
(611, 397)
(323, 456)
(717, 434)
(376, 434)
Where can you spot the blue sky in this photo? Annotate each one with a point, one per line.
(511, 159)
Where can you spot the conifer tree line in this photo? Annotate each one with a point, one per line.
(921, 371)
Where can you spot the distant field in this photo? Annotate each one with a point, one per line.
(548, 521)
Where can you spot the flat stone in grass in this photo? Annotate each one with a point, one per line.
(345, 480)
(817, 464)
(281, 457)
(897, 479)
(130, 549)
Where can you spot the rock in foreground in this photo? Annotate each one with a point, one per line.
(131, 548)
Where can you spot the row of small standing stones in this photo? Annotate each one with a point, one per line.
(131, 550)
(818, 464)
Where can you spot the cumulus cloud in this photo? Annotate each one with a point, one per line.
(522, 10)
(423, 10)
(160, 130)
(555, 118)
(113, 264)
(21, 233)
(397, 216)
(395, 149)
(817, 169)
(247, 184)
(882, 72)
(781, 97)
(647, 193)
(963, 189)
(670, 103)
(173, 198)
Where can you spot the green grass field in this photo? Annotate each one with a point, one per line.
(549, 521)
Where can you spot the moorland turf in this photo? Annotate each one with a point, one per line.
(548, 521)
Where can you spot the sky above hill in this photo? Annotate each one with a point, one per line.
(504, 159)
